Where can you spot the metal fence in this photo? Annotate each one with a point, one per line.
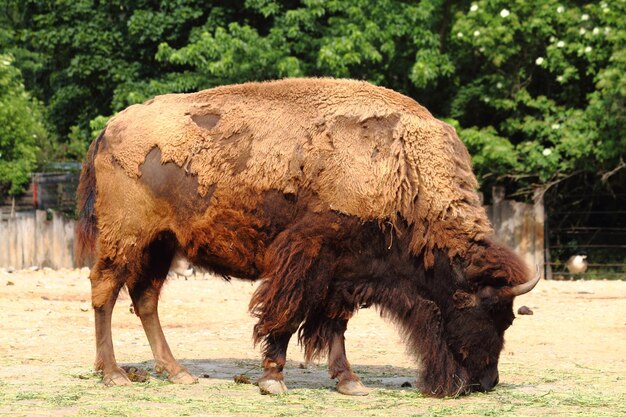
(598, 236)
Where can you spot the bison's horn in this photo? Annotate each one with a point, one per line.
(525, 287)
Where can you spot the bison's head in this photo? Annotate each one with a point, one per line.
(475, 302)
(475, 330)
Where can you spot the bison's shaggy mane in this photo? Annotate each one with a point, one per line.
(363, 150)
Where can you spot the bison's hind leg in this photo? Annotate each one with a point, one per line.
(144, 291)
(106, 281)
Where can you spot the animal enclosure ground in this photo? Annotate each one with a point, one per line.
(569, 358)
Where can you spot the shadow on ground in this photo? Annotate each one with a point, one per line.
(297, 375)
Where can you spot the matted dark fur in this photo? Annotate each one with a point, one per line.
(364, 265)
(437, 274)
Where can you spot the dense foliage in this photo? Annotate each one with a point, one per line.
(544, 86)
(21, 129)
(536, 89)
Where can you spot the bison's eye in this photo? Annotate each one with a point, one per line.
(490, 302)
(488, 291)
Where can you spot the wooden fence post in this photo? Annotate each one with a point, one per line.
(541, 252)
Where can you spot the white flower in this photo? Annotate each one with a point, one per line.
(477, 33)
(482, 49)
(504, 13)
(560, 9)
(459, 35)
(607, 30)
(486, 99)
(560, 44)
(604, 5)
(499, 85)
(596, 30)
(588, 49)
(559, 78)
(474, 8)
(584, 17)
(552, 38)
(539, 60)
(606, 10)
(555, 126)
(6, 62)
(582, 31)
(547, 152)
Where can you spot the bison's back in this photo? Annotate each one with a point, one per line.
(363, 150)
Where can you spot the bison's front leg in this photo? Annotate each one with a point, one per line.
(274, 358)
(348, 382)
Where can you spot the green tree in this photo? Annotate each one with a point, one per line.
(535, 89)
(387, 42)
(21, 129)
(545, 80)
(80, 51)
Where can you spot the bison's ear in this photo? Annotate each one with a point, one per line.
(464, 299)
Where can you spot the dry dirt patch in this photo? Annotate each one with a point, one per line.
(569, 358)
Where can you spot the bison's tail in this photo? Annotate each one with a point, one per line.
(86, 226)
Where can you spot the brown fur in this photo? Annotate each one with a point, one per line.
(364, 150)
(337, 194)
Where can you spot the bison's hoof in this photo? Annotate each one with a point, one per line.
(116, 378)
(272, 386)
(183, 377)
(352, 388)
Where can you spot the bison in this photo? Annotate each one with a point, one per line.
(336, 194)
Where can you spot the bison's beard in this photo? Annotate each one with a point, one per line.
(440, 374)
(442, 379)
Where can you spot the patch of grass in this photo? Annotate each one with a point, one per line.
(156, 398)
(408, 394)
(63, 399)
(440, 410)
(49, 399)
(27, 395)
(95, 375)
(590, 400)
(572, 392)
(111, 410)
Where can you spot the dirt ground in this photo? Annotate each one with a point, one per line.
(569, 358)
